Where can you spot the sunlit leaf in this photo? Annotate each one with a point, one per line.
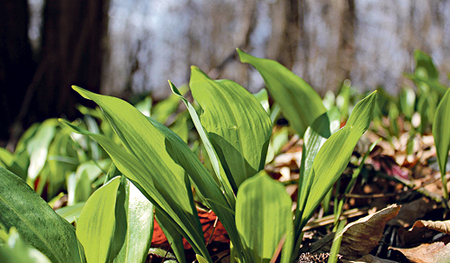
(116, 224)
(37, 223)
(300, 104)
(237, 125)
(335, 154)
(70, 213)
(441, 134)
(264, 217)
(147, 163)
(314, 138)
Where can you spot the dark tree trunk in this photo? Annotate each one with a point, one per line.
(16, 62)
(71, 55)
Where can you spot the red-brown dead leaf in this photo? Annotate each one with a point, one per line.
(207, 219)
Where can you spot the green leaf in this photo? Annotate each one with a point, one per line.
(237, 125)
(264, 217)
(61, 160)
(37, 223)
(300, 104)
(71, 213)
(146, 162)
(17, 251)
(314, 139)
(116, 223)
(38, 147)
(213, 157)
(222, 204)
(441, 134)
(335, 154)
(85, 175)
(263, 97)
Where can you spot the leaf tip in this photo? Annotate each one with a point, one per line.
(174, 89)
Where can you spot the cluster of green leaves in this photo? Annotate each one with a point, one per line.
(159, 171)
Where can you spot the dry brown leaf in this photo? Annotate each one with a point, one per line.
(441, 226)
(436, 252)
(412, 211)
(369, 259)
(359, 237)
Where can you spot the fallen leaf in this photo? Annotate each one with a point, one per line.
(359, 237)
(436, 252)
(369, 259)
(412, 211)
(441, 226)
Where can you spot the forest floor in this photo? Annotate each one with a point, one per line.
(398, 199)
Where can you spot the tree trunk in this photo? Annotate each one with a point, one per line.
(71, 55)
(16, 62)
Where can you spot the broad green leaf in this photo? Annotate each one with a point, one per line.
(300, 104)
(263, 97)
(145, 106)
(314, 138)
(441, 134)
(407, 99)
(96, 224)
(334, 155)
(277, 142)
(425, 63)
(38, 147)
(6, 157)
(166, 201)
(85, 175)
(17, 251)
(116, 223)
(264, 217)
(201, 259)
(206, 186)
(213, 157)
(220, 203)
(180, 126)
(26, 137)
(237, 125)
(148, 165)
(37, 223)
(61, 160)
(71, 213)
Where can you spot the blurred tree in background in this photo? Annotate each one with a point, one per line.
(126, 47)
(36, 86)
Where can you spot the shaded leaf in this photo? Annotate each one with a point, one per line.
(37, 223)
(15, 250)
(38, 147)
